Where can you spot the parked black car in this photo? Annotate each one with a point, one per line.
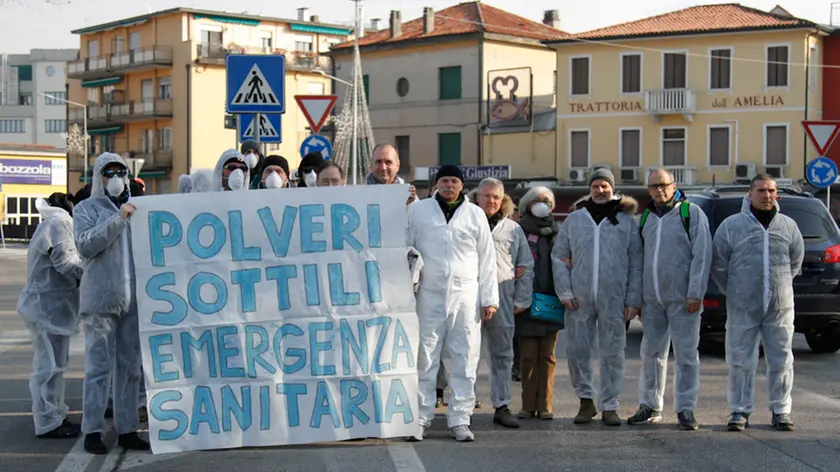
(816, 290)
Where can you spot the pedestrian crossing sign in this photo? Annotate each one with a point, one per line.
(269, 127)
(255, 83)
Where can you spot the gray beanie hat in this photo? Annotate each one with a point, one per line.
(602, 174)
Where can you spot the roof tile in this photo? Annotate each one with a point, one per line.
(464, 18)
(698, 19)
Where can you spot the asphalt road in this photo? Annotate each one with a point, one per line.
(538, 446)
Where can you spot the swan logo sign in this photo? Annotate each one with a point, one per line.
(32, 172)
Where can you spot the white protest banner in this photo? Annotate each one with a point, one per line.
(274, 317)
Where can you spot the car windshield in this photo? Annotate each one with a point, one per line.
(809, 214)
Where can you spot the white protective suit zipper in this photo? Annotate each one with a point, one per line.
(766, 269)
(656, 260)
(595, 259)
(126, 271)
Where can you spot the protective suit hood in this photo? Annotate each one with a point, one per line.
(746, 203)
(507, 204)
(220, 164)
(48, 211)
(628, 205)
(104, 159)
(184, 184)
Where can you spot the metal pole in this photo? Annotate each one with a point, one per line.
(85, 141)
(828, 199)
(355, 155)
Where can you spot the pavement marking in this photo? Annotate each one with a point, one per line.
(817, 398)
(133, 459)
(405, 458)
(77, 460)
(111, 462)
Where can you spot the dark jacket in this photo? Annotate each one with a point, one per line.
(541, 246)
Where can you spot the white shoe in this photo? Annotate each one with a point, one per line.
(419, 436)
(463, 434)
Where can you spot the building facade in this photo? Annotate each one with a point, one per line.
(155, 85)
(714, 93)
(436, 84)
(32, 87)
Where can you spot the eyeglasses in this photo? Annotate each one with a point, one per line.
(660, 186)
(234, 166)
(111, 173)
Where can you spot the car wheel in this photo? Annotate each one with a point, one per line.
(823, 342)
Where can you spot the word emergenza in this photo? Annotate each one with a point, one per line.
(269, 324)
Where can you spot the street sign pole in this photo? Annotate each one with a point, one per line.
(257, 122)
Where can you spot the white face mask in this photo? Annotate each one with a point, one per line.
(274, 181)
(115, 186)
(252, 160)
(310, 178)
(236, 180)
(540, 210)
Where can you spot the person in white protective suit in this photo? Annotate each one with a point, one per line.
(49, 305)
(458, 288)
(108, 306)
(757, 253)
(515, 272)
(602, 288)
(231, 172)
(678, 256)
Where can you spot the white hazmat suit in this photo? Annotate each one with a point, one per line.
(458, 278)
(606, 277)
(677, 264)
(754, 268)
(108, 307)
(49, 305)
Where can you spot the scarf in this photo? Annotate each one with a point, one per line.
(765, 217)
(608, 210)
(449, 208)
(495, 219)
(538, 226)
(664, 209)
(121, 199)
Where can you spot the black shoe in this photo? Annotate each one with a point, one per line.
(133, 441)
(94, 444)
(645, 415)
(109, 413)
(515, 376)
(782, 422)
(505, 418)
(738, 421)
(142, 414)
(65, 430)
(687, 421)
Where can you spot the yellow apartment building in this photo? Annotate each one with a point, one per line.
(436, 83)
(28, 172)
(154, 85)
(715, 93)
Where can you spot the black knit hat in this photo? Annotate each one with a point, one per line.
(275, 160)
(249, 145)
(449, 170)
(311, 161)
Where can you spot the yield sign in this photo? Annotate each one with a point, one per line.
(822, 134)
(316, 109)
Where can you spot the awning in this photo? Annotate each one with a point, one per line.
(101, 82)
(108, 130)
(320, 29)
(228, 19)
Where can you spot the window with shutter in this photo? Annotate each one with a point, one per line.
(720, 66)
(631, 148)
(673, 146)
(449, 83)
(776, 145)
(674, 65)
(631, 73)
(580, 76)
(449, 148)
(719, 146)
(579, 148)
(777, 66)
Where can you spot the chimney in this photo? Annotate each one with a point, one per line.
(314, 18)
(551, 18)
(302, 13)
(428, 20)
(374, 23)
(396, 24)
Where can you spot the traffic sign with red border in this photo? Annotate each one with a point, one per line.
(316, 109)
(822, 134)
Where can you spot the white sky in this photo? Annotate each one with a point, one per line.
(39, 24)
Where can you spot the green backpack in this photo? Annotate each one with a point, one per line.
(685, 214)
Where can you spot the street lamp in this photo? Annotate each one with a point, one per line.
(319, 71)
(84, 130)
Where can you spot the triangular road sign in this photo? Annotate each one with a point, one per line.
(266, 128)
(316, 109)
(822, 134)
(255, 90)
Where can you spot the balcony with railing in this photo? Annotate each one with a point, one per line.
(89, 68)
(680, 101)
(96, 115)
(147, 149)
(97, 144)
(139, 110)
(295, 60)
(683, 175)
(142, 59)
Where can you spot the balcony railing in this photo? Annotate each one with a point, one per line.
(216, 54)
(88, 67)
(142, 57)
(95, 113)
(140, 109)
(670, 101)
(683, 175)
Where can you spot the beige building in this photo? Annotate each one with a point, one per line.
(715, 93)
(436, 84)
(155, 86)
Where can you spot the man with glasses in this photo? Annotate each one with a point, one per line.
(678, 256)
(231, 172)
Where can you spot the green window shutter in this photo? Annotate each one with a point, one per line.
(366, 83)
(450, 82)
(449, 148)
(24, 73)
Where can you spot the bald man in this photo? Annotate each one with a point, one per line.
(678, 257)
(386, 167)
